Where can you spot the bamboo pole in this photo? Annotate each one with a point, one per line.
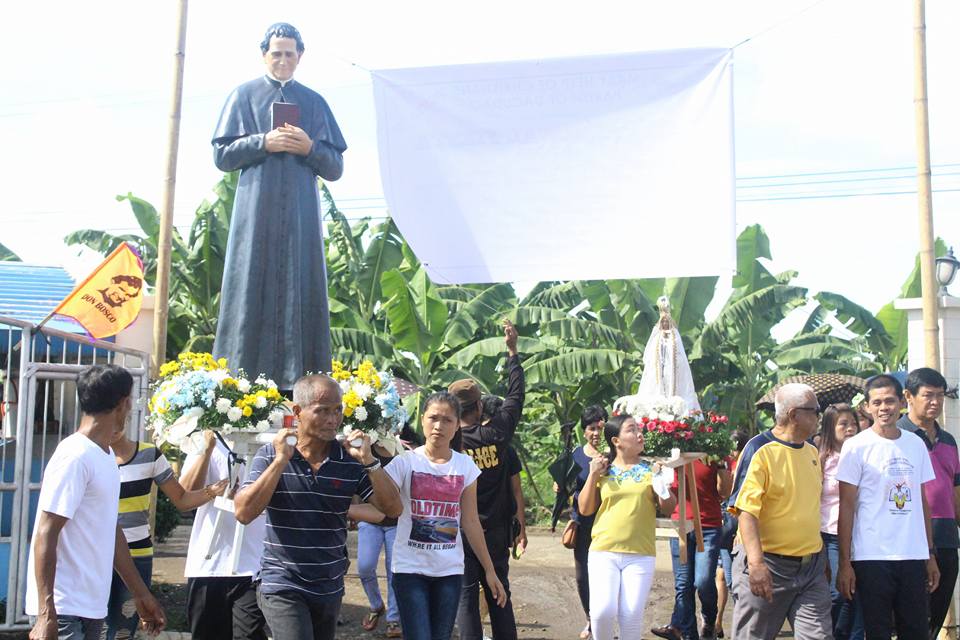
(162, 289)
(928, 283)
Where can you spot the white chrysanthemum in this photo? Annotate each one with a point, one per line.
(227, 428)
(243, 385)
(260, 402)
(276, 418)
(344, 386)
(271, 384)
(234, 414)
(360, 413)
(223, 405)
(261, 381)
(262, 426)
(362, 390)
(193, 412)
(219, 375)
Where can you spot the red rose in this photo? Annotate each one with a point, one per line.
(724, 419)
(709, 429)
(645, 419)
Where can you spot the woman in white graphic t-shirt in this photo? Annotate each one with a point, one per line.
(439, 493)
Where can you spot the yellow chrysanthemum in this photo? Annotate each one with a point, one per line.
(229, 382)
(247, 411)
(169, 368)
(347, 411)
(351, 400)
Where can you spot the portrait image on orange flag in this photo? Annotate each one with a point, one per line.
(109, 300)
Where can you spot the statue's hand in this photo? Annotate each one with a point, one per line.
(275, 141)
(298, 141)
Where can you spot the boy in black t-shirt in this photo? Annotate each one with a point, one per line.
(487, 444)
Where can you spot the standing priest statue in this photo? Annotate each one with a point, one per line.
(274, 317)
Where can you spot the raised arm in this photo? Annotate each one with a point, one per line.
(265, 473)
(45, 539)
(508, 416)
(933, 571)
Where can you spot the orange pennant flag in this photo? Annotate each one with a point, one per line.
(109, 300)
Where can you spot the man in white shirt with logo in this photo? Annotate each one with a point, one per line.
(70, 568)
(886, 544)
(221, 603)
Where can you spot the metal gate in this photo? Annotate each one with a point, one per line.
(39, 409)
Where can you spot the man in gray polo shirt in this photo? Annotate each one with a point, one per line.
(306, 491)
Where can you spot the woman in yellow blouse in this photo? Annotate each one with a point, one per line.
(620, 490)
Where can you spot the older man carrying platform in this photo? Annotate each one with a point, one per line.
(779, 563)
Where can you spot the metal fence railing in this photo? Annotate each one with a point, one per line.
(38, 372)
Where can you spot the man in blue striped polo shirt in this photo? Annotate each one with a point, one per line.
(306, 491)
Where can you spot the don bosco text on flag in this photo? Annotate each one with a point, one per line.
(109, 299)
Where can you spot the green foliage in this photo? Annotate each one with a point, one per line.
(6, 255)
(582, 341)
(167, 518)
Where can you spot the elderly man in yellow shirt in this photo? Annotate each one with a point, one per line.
(779, 570)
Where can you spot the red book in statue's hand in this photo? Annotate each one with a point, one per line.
(285, 113)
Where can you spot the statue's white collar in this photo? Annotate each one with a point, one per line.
(283, 83)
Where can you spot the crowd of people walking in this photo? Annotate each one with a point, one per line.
(840, 521)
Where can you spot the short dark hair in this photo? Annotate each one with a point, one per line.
(102, 387)
(882, 381)
(925, 377)
(281, 30)
(443, 397)
(491, 404)
(592, 414)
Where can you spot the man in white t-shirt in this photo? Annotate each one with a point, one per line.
(70, 568)
(886, 545)
(221, 603)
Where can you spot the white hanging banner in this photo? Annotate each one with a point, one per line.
(604, 167)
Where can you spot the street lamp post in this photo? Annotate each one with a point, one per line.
(947, 267)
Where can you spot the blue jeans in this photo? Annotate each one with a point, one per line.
(846, 615)
(371, 538)
(427, 604)
(726, 561)
(698, 574)
(121, 624)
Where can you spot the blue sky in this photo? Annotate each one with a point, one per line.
(823, 98)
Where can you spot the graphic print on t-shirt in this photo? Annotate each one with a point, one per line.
(898, 472)
(434, 510)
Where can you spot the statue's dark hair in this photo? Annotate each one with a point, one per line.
(102, 387)
(281, 30)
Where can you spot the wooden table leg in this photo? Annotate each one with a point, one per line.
(682, 523)
(695, 505)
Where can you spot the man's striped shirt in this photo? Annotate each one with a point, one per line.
(137, 475)
(305, 547)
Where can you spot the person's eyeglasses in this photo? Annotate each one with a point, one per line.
(817, 410)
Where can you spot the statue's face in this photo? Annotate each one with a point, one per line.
(282, 58)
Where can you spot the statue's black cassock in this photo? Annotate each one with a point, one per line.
(274, 317)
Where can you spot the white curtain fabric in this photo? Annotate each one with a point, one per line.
(617, 166)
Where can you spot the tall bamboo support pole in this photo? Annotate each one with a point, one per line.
(162, 289)
(928, 283)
